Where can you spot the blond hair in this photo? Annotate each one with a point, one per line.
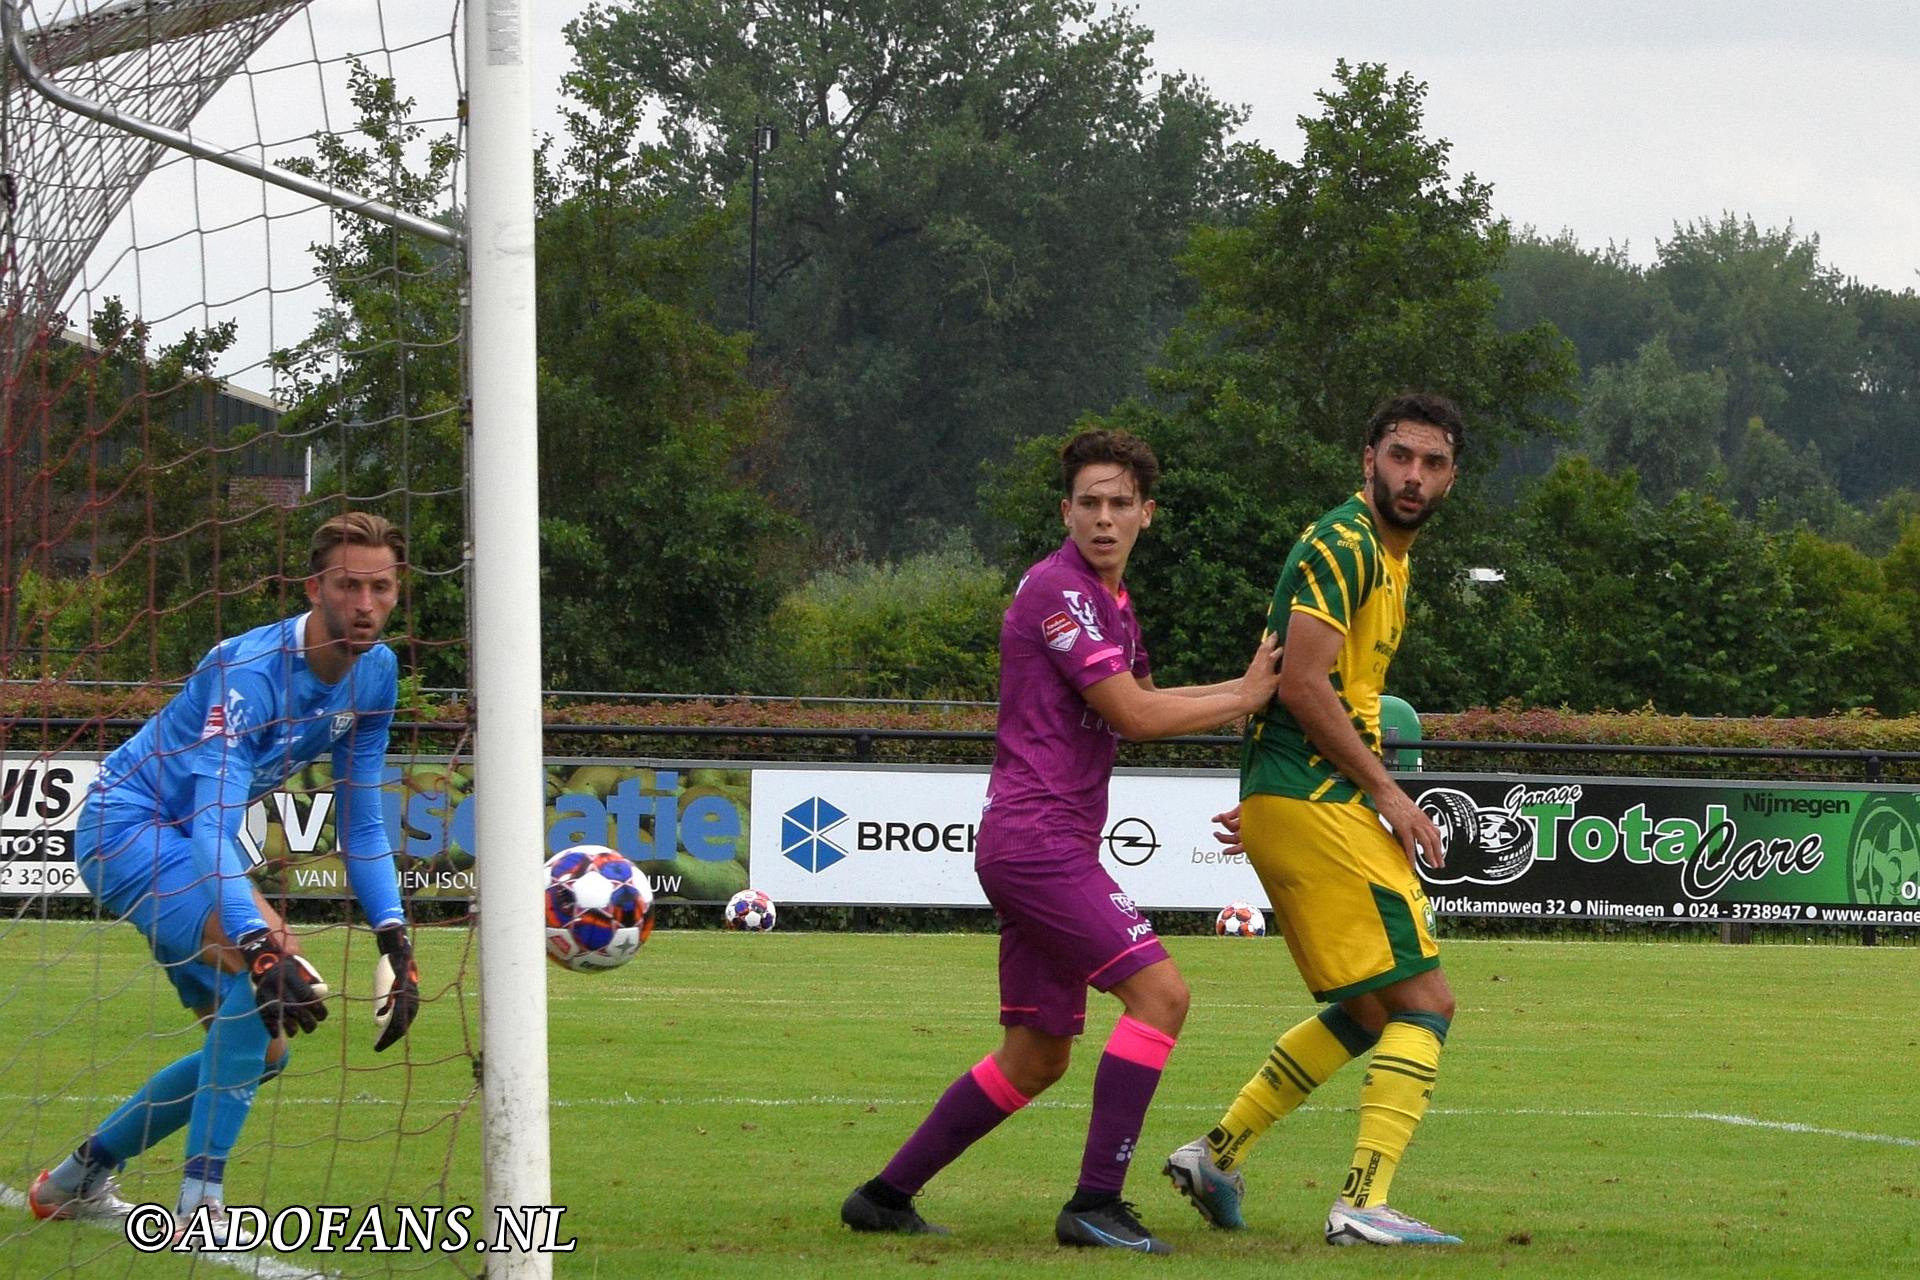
(359, 529)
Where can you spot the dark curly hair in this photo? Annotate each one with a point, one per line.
(1092, 448)
(1419, 406)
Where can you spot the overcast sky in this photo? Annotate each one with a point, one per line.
(1614, 119)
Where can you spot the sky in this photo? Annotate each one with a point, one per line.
(1613, 119)
(1610, 119)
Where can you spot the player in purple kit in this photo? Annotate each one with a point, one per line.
(1073, 678)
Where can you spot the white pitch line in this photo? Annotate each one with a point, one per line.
(1708, 1117)
(1055, 1104)
(1784, 1126)
(265, 1266)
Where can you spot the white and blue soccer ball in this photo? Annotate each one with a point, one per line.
(750, 911)
(599, 908)
(1240, 920)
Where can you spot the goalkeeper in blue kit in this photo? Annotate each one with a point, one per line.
(158, 845)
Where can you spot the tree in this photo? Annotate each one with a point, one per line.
(1856, 648)
(1878, 529)
(663, 554)
(1359, 271)
(115, 500)
(1888, 446)
(1597, 298)
(1830, 366)
(1649, 415)
(967, 228)
(1781, 487)
(1761, 306)
(1680, 605)
(660, 557)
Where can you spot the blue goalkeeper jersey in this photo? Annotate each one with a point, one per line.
(252, 715)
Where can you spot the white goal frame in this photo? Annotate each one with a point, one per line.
(498, 238)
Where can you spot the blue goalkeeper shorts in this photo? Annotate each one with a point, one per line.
(141, 869)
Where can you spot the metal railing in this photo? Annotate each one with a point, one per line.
(1871, 766)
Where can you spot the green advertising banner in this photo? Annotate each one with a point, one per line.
(1614, 848)
(1548, 847)
(686, 827)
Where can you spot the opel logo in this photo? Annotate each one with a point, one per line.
(1131, 841)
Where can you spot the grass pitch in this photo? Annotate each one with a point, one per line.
(1603, 1109)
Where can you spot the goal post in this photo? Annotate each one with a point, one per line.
(104, 94)
(506, 612)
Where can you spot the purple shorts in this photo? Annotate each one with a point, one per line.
(1064, 927)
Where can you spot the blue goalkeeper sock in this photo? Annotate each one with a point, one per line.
(161, 1106)
(154, 1113)
(231, 1068)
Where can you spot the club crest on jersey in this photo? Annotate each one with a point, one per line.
(1060, 631)
(342, 721)
(1125, 903)
(1082, 610)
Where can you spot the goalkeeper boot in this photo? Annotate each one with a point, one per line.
(1215, 1195)
(863, 1212)
(1110, 1224)
(1378, 1224)
(100, 1201)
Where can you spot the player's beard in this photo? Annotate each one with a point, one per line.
(1383, 502)
(339, 631)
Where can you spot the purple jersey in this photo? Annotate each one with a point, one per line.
(1053, 754)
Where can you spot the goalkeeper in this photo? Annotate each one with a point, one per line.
(157, 844)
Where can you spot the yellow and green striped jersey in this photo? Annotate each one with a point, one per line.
(1339, 573)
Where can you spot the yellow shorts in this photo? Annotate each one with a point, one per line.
(1353, 912)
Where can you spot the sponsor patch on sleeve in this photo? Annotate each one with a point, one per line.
(1060, 631)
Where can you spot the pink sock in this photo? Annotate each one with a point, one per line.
(1123, 1088)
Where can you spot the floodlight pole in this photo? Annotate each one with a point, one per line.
(510, 830)
(764, 138)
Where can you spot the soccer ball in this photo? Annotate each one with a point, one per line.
(1240, 920)
(750, 911)
(599, 908)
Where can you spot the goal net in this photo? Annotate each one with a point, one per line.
(201, 365)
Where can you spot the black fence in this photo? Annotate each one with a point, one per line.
(975, 746)
(842, 744)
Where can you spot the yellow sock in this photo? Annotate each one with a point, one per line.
(1393, 1098)
(1301, 1061)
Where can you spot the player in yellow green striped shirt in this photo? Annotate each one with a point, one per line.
(1334, 838)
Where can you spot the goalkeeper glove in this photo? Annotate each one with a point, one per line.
(287, 990)
(396, 986)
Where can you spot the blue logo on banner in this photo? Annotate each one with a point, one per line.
(803, 834)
